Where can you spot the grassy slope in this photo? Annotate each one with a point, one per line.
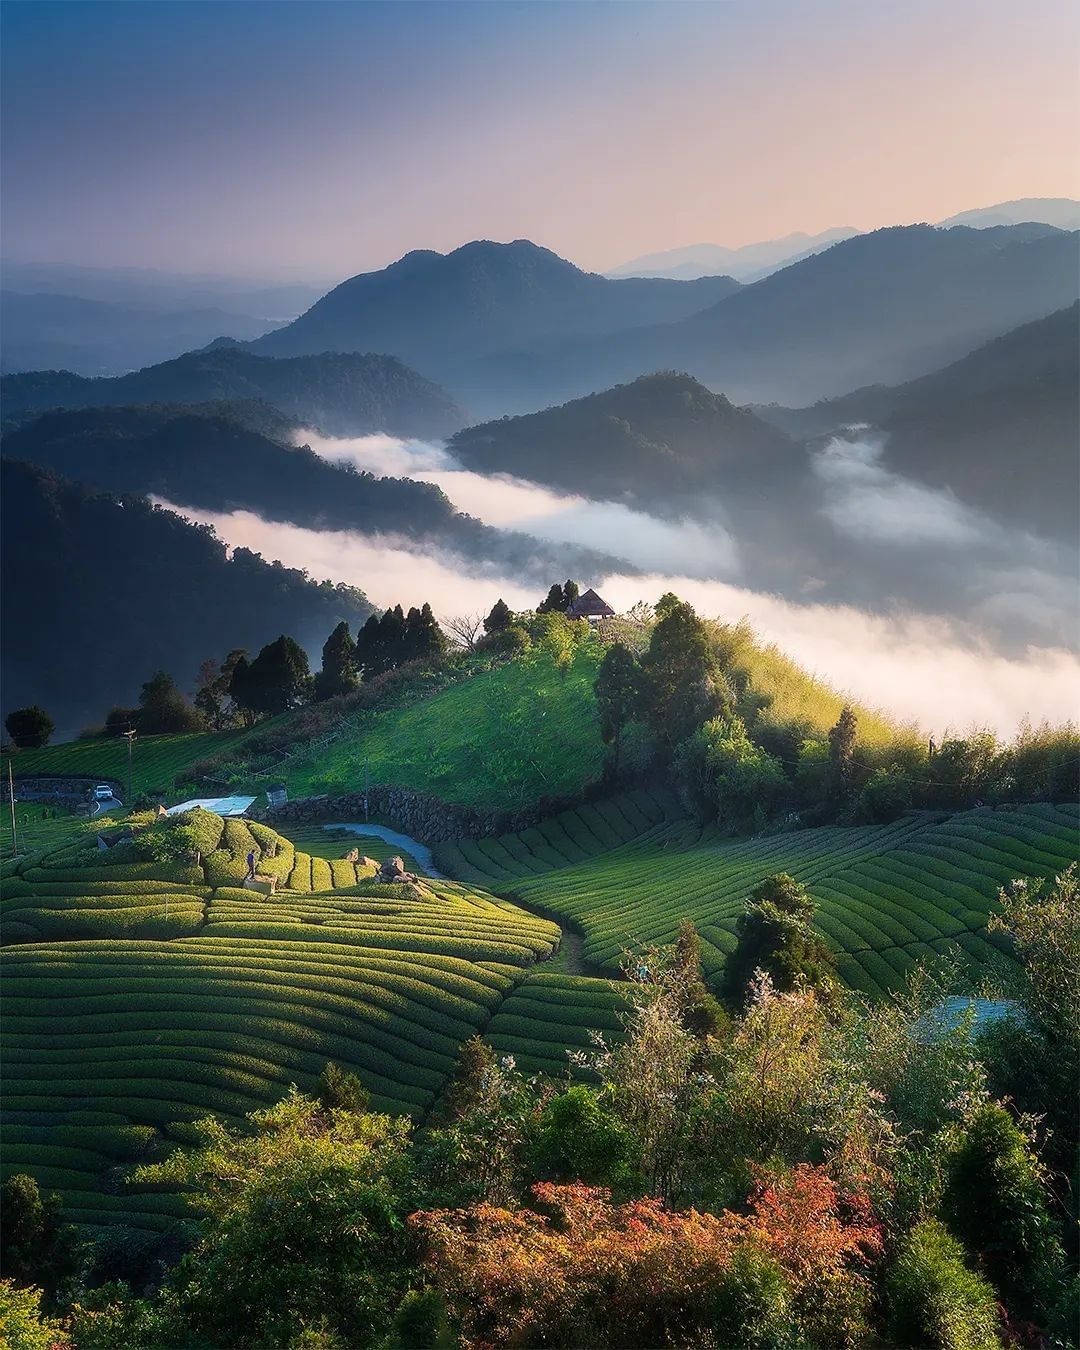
(500, 739)
(155, 760)
(626, 871)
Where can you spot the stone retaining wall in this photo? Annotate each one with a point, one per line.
(414, 813)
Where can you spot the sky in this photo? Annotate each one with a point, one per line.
(323, 139)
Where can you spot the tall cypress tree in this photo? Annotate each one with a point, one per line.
(369, 653)
(338, 674)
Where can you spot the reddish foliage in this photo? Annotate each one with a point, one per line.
(580, 1270)
(801, 1219)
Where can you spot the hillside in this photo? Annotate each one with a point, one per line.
(99, 593)
(664, 436)
(337, 394)
(999, 427)
(881, 307)
(218, 458)
(448, 313)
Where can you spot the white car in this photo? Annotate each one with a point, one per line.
(103, 793)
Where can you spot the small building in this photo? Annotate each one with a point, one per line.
(590, 606)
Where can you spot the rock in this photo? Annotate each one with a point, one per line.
(353, 855)
(264, 885)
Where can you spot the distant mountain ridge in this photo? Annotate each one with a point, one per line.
(881, 307)
(342, 394)
(43, 331)
(1000, 427)
(748, 263)
(752, 262)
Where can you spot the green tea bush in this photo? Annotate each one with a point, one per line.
(935, 1298)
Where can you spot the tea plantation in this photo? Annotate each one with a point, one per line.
(627, 870)
(142, 993)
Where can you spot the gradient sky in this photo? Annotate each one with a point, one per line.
(330, 138)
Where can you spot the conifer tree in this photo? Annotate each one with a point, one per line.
(338, 674)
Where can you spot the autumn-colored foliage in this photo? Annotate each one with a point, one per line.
(579, 1270)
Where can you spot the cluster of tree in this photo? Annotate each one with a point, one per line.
(685, 708)
(799, 1170)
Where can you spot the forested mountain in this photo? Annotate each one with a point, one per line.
(447, 313)
(47, 331)
(99, 592)
(338, 394)
(998, 427)
(213, 459)
(881, 307)
(661, 439)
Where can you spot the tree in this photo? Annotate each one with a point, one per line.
(997, 1203)
(701, 1014)
(842, 738)
(119, 720)
(36, 1245)
(570, 593)
(212, 697)
(164, 709)
(465, 629)
(369, 652)
(555, 602)
(618, 695)
(577, 1138)
(302, 1228)
(681, 686)
(277, 680)
(29, 728)
(340, 1090)
(774, 934)
(722, 773)
(22, 1323)
(338, 674)
(424, 640)
(500, 618)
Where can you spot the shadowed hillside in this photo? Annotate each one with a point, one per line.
(341, 395)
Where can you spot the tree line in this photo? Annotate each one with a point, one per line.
(682, 708)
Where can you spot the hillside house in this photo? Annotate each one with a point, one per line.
(590, 606)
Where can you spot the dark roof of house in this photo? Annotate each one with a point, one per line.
(590, 606)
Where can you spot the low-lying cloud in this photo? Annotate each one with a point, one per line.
(867, 502)
(929, 670)
(692, 547)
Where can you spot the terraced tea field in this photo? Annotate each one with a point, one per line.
(547, 1015)
(888, 895)
(143, 994)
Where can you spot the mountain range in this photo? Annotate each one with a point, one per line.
(883, 307)
(339, 394)
(751, 262)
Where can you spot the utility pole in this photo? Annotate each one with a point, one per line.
(366, 763)
(130, 736)
(11, 798)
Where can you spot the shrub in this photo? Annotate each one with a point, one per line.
(935, 1298)
(22, 1325)
(997, 1202)
(29, 728)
